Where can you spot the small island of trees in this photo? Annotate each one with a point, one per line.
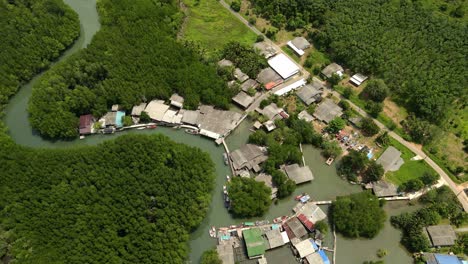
(249, 197)
(358, 215)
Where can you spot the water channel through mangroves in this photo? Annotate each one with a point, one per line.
(327, 185)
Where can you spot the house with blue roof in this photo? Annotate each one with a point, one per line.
(434, 258)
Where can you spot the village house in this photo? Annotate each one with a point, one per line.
(291, 87)
(156, 109)
(437, 258)
(318, 257)
(294, 228)
(327, 111)
(312, 92)
(257, 125)
(215, 123)
(357, 79)
(243, 99)
(391, 159)
(269, 78)
(226, 253)
(298, 174)
(274, 238)
(306, 247)
(113, 119)
(172, 117)
(299, 44)
(240, 76)
(269, 125)
(384, 189)
(284, 66)
(248, 157)
(304, 115)
(441, 235)
(137, 109)
(177, 101)
(254, 242)
(265, 49)
(272, 112)
(331, 69)
(190, 117)
(86, 124)
(115, 108)
(249, 84)
(311, 211)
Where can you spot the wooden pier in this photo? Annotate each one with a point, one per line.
(322, 202)
(226, 149)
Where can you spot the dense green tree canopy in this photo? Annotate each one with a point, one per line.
(369, 127)
(34, 32)
(248, 197)
(420, 55)
(210, 257)
(353, 164)
(134, 57)
(244, 57)
(375, 90)
(358, 215)
(336, 125)
(131, 200)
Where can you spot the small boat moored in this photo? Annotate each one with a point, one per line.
(212, 231)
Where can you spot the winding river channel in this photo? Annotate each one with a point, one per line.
(327, 185)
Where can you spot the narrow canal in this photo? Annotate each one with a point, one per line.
(327, 185)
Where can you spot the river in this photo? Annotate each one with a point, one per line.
(327, 185)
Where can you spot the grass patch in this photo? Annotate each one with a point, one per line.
(411, 169)
(211, 25)
(317, 58)
(384, 119)
(291, 53)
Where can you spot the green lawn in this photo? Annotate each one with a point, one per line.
(411, 169)
(211, 25)
(291, 53)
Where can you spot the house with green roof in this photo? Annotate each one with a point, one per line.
(254, 242)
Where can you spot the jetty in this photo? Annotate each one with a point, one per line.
(226, 149)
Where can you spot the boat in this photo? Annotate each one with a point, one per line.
(192, 131)
(141, 128)
(212, 231)
(151, 126)
(228, 178)
(305, 198)
(224, 188)
(82, 137)
(225, 157)
(227, 202)
(329, 161)
(298, 198)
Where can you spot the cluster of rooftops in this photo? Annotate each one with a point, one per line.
(244, 243)
(207, 120)
(249, 158)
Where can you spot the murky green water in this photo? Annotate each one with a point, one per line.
(327, 185)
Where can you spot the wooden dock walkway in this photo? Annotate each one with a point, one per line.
(322, 202)
(226, 149)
